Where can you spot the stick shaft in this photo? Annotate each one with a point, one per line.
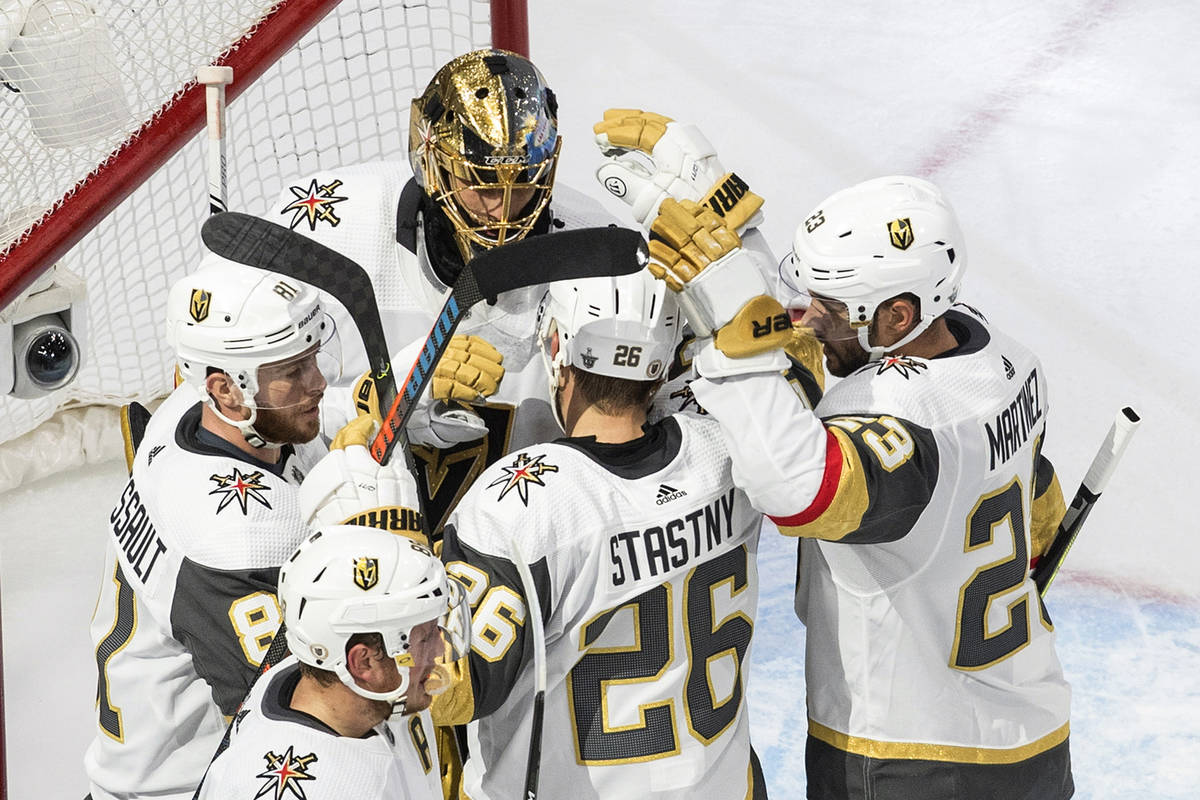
(1093, 484)
(215, 79)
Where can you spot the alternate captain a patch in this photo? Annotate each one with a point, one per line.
(314, 204)
(283, 775)
(520, 474)
(240, 487)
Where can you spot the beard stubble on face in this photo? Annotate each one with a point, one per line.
(294, 425)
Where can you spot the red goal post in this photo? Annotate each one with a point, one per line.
(316, 83)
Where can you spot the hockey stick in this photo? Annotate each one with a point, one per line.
(214, 80)
(1093, 484)
(256, 242)
(533, 608)
(582, 253)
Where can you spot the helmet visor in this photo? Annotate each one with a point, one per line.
(294, 381)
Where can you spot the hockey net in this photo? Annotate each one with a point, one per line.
(98, 92)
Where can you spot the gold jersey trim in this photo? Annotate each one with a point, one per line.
(937, 752)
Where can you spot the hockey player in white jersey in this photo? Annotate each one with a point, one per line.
(643, 556)
(918, 487)
(372, 620)
(483, 150)
(483, 153)
(187, 603)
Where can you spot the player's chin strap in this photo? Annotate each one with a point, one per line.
(245, 426)
(875, 352)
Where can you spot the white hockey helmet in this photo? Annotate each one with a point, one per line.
(875, 240)
(348, 579)
(623, 327)
(238, 319)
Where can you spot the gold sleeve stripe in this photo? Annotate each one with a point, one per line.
(842, 500)
(936, 752)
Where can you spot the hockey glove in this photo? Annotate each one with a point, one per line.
(348, 487)
(652, 157)
(469, 370)
(720, 289)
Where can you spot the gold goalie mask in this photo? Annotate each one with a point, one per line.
(483, 143)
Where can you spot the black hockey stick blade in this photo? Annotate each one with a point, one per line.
(1098, 474)
(582, 253)
(261, 243)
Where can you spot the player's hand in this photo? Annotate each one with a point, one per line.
(468, 371)
(721, 291)
(348, 487)
(651, 157)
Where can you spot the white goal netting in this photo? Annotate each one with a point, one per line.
(83, 76)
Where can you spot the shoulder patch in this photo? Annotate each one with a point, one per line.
(314, 204)
(240, 487)
(284, 773)
(526, 470)
(905, 366)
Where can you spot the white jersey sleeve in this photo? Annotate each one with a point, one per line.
(645, 568)
(277, 752)
(187, 604)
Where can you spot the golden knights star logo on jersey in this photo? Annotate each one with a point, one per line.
(523, 472)
(283, 775)
(240, 487)
(314, 204)
(366, 572)
(904, 365)
(901, 233)
(199, 304)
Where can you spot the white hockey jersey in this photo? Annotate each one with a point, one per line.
(926, 637)
(187, 604)
(278, 752)
(643, 556)
(358, 211)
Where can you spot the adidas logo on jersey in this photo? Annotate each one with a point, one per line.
(1009, 371)
(668, 493)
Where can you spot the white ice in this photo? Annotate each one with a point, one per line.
(1064, 132)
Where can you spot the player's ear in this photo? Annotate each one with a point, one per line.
(554, 345)
(358, 662)
(895, 318)
(224, 392)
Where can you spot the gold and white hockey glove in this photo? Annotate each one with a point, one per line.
(348, 487)
(651, 157)
(720, 289)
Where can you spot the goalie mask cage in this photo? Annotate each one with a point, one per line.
(101, 115)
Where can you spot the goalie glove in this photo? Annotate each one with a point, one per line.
(348, 487)
(652, 157)
(720, 289)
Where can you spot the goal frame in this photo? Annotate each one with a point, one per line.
(127, 167)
